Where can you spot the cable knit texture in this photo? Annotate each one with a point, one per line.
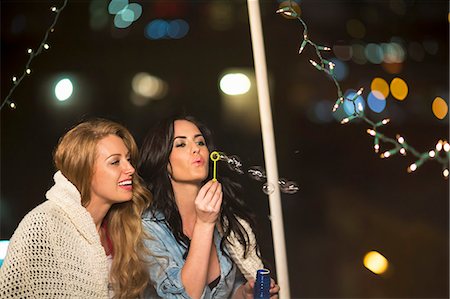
(55, 251)
(252, 263)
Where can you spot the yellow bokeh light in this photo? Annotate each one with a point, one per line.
(375, 262)
(439, 107)
(399, 89)
(380, 85)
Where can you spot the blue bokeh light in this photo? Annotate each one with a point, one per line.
(349, 106)
(161, 29)
(340, 69)
(115, 6)
(376, 101)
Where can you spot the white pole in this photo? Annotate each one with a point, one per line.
(259, 58)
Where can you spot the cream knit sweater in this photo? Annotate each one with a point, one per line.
(55, 252)
(252, 263)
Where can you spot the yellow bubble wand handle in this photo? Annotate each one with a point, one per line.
(215, 156)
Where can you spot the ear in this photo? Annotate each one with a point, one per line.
(169, 170)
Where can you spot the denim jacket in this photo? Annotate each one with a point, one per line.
(166, 261)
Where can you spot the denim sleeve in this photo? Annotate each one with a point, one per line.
(164, 271)
(238, 281)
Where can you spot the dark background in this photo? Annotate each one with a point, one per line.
(350, 201)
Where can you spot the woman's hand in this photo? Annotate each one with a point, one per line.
(208, 202)
(247, 291)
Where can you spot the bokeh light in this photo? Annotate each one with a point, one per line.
(349, 106)
(343, 52)
(340, 69)
(431, 46)
(359, 56)
(146, 88)
(63, 89)
(393, 52)
(115, 6)
(160, 29)
(439, 107)
(399, 89)
(376, 101)
(375, 262)
(380, 85)
(235, 84)
(416, 51)
(125, 14)
(98, 15)
(356, 28)
(374, 53)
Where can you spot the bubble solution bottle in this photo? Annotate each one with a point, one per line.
(262, 284)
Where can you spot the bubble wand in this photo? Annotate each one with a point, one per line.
(215, 156)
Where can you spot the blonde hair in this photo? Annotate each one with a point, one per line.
(74, 157)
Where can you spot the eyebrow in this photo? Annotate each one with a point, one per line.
(126, 155)
(184, 137)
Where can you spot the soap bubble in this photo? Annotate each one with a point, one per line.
(235, 164)
(288, 187)
(257, 173)
(268, 188)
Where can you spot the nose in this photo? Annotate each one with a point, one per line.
(195, 148)
(129, 169)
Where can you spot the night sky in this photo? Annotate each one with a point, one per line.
(350, 201)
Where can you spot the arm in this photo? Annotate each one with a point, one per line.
(165, 260)
(30, 250)
(195, 271)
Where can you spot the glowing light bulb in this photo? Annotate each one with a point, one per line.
(432, 154)
(385, 121)
(375, 262)
(28, 71)
(371, 132)
(439, 146)
(63, 89)
(335, 107)
(400, 139)
(402, 151)
(12, 105)
(235, 84)
(376, 147)
(29, 51)
(445, 173)
(385, 154)
(14, 79)
(53, 8)
(412, 167)
(360, 107)
(446, 147)
(46, 46)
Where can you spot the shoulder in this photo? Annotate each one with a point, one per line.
(153, 216)
(42, 215)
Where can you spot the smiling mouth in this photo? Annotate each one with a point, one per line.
(126, 183)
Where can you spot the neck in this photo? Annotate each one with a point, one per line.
(185, 194)
(98, 213)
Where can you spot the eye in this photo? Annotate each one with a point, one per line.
(201, 143)
(182, 144)
(115, 162)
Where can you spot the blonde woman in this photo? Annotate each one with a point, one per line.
(86, 240)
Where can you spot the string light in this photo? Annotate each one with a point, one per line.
(399, 144)
(33, 54)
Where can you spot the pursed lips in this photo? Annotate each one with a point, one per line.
(198, 161)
